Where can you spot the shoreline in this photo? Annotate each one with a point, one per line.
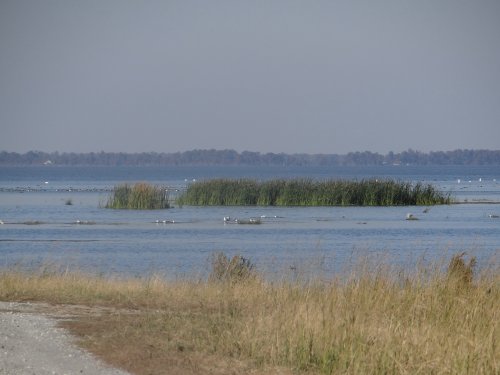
(377, 320)
(32, 341)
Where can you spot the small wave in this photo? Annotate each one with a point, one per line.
(84, 222)
(32, 222)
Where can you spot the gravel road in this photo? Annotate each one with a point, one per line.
(32, 344)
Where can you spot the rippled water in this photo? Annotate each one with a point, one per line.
(40, 228)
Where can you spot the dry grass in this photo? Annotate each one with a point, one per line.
(375, 321)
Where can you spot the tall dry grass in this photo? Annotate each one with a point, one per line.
(376, 320)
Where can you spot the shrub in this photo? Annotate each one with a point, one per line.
(232, 270)
(460, 271)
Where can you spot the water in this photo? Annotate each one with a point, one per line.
(40, 228)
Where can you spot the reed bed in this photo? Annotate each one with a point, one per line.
(308, 192)
(374, 320)
(141, 196)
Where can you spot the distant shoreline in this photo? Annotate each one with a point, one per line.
(234, 158)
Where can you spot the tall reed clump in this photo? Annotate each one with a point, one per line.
(308, 192)
(140, 196)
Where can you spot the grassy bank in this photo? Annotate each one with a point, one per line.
(377, 320)
(308, 192)
(140, 196)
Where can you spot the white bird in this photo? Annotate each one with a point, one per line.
(227, 218)
(1, 222)
(410, 217)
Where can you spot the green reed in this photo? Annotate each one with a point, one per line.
(140, 196)
(309, 192)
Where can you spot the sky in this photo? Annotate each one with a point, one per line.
(308, 76)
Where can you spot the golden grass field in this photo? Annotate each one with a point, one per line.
(375, 320)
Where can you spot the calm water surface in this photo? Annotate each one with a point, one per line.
(39, 228)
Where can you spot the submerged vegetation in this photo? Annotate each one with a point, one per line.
(374, 320)
(308, 192)
(140, 196)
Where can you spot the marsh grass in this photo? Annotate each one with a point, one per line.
(373, 320)
(141, 196)
(231, 270)
(461, 271)
(308, 192)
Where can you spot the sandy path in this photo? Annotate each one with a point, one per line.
(32, 344)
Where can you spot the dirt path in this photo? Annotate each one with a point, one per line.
(32, 344)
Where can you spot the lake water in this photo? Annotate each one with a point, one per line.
(40, 228)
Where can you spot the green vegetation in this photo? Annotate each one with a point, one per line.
(308, 192)
(140, 196)
(375, 320)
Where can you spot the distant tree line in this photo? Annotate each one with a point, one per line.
(231, 157)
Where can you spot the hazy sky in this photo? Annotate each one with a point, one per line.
(264, 75)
